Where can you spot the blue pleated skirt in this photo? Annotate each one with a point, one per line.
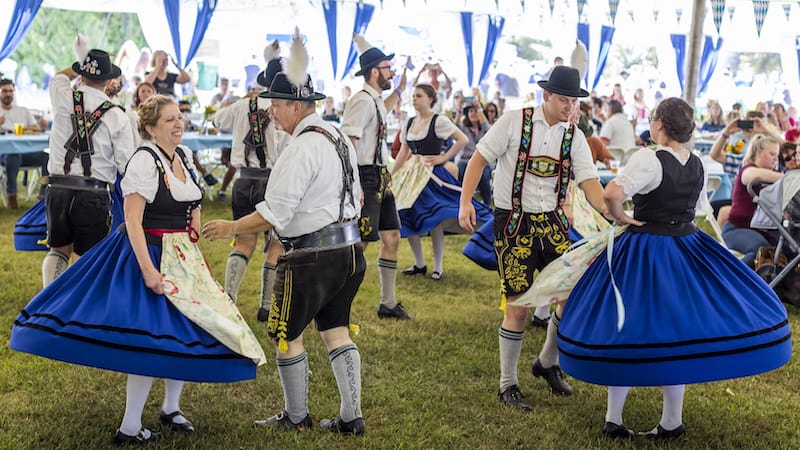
(117, 206)
(31, 228)
(99, 313)
(693, 313)
(438, 205)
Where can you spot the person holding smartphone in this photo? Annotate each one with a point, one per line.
(731, 144)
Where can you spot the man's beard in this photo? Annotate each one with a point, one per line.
(384, 83)
(7, 100)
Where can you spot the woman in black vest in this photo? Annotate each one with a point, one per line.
(687, 311)
(435, 208)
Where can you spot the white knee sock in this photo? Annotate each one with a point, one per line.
(54, 264)
(268, 272)
(387, 272)
(136, 392)
(416, 248)
(234, 273)
(549, 354)
(437, 238)
(172, 398)
(510, 349)
(616, 402)
(672, 411)
(542, 312)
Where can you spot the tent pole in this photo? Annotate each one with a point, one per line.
(695, 41)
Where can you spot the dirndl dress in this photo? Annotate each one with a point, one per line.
(692, 313)
(30, 231)
(99, 313)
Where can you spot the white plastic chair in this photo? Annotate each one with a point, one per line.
(618, 154)
(3, 193)
(713, 183)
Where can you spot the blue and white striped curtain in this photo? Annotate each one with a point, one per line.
(338, 18)
(708, 60)
(481, 33)
(583, 36)
(17, 21)
(606, 36)
(182, 28)
(679, 45)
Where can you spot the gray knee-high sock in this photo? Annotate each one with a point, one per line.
(294, 380)
(234, 273)
(268, 272)
(510, 349)
(549, 354)
(672, 411)
(54, 264)
(616, 403)
(387, 270)
(136, 391)
(346, 365)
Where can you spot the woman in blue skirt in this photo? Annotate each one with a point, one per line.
(435, 207)
(108, 310)
(687, 310)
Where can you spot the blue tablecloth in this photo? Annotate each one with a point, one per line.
(31, 143)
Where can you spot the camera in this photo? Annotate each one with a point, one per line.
(745, 124)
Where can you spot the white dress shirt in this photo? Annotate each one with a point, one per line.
(619, 132)
(361, 122)
(234, 118)
(304, 190)
(113, 138)
(17, 114)
(502, 142)
(443, 128)
(142, 176)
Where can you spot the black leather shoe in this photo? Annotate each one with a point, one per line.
(354, 427)
(143, 437)
(414, 270)
(437, 276)
(513, 397)
(539, 323)
(282, 420)
(660, 433)
(614, 431)
(210, 179)
(553, 377)
(398, 312)
(263, 314)
(169, 420)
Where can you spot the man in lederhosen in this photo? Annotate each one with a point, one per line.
(256, 146)
(312, 202)
(90, 142)
(364, 121)
(537, 151)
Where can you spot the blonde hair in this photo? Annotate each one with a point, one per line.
(149, 113)
(757, 144)
(154, 56)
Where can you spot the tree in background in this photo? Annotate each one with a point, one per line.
(49, 40)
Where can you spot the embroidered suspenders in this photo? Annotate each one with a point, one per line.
(348, 178)
(83, 126)
(381, 132)
(255, 139)
(564, 171)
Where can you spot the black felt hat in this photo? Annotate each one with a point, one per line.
(266, 76)
(371, 58)
(282, 88)
(564, 80)
(97, 66)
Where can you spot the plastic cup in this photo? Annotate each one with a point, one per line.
(18, 127)
(614, 166)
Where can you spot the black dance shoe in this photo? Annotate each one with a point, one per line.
(539, 323)
(553, 377)
(614, 431)
(143, 437)
(169, 420)
(414, 270)
(263, 314)
(513, 398)
(660, 433)
(398, 312)
(354, 427)
(282, 420)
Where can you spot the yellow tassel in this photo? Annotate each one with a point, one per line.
(283, 346)
(503, 304)
(355, 329)
(42, 242)
(233, 243)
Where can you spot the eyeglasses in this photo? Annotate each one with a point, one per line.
(389, 68)
(789, 156)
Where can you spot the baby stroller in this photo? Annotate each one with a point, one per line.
(778, 211)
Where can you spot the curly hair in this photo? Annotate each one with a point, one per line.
(677, 119)
(149, 113)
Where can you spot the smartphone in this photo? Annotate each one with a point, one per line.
(469, 100)
(745, 124)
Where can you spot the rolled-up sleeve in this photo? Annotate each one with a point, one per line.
(496, 141)
(583, 166)
(358, 113)
(289, 181)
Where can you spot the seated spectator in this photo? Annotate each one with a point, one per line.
(784, 122)
(730, 147)
(12, 114)
(491, 113)
(714, 123)
(329, 112)
(617, 131)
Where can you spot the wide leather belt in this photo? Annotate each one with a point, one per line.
(254, 173)
(666, 229)
(335, 235)
(149, 238)
(78, 183)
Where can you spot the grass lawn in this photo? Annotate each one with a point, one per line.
(430, 383)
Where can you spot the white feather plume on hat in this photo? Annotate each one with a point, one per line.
(579, 58)
(361, 43)
(272, 51)
(81, 47)
(296, 67)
